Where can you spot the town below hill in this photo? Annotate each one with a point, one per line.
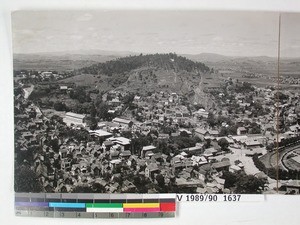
(153, 124)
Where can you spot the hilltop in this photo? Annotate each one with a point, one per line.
(143, 73)
(169, 61)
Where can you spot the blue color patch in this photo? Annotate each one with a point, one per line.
(66, 205)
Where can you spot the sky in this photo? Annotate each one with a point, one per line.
(183, 32)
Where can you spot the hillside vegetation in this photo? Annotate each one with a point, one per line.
(126, 64)
(144, 73)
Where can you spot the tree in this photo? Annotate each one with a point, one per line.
(211, 119)
(160, 180)
(223, 132)
(249, 184)
(230, 179)
(54, 143)
(254, 128)
(126, 134)
(92, 123)
(80, 94)
(223, 144)
(26, 180)
(184, 134)
(162, 146)
(60, 106)
(138, 143)
(83, 189)
(102, 111)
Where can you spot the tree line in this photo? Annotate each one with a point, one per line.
(126, 64)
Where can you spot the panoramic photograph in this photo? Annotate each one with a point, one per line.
(156, 102)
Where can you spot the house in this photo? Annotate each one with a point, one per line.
(213, 133)
(46, 75)
(113, 188)
(201, 133)
(295, 129)
(124, 143)
(194, 150)
(292, 187)
(128, 187)
(125, 154)
(261, 175)
(252, 143)
(115, 161)
(100, 133)
(210, 152)
(63, 88)
(151, 170)
(220, 166)
(162, 136)
(252, 152)
(234, 169)
(122, 122)
(241, 131)
(146, 149)
(74, 118)
(106, 145)
(189, 184)
(201, 113)
(220, 183)
(63, 151)
(114, 102)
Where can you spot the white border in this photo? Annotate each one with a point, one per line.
(275, 210)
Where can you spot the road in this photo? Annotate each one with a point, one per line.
(249, 167)
(27, 91)
(285, 153)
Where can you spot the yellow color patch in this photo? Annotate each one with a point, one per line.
(141, 205)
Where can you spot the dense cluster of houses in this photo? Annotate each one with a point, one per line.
(108, 162)
(40, 75)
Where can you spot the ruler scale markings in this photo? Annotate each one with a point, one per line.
(22, 197)
(37, 197)
(134, 198)
(53, 197)
(72, 205)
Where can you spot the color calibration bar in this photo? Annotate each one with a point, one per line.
(95, 205)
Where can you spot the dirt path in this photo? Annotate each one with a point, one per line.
(28, 91)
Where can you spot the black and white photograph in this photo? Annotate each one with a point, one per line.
(156, 101)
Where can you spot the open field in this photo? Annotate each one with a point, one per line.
(60, 63)
(92, 82)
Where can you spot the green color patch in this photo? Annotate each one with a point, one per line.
(104, 205)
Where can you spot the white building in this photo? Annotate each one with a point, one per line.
(74, 118)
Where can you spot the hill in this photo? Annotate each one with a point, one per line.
(122, 65)
(146, 72)
(143, 74)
